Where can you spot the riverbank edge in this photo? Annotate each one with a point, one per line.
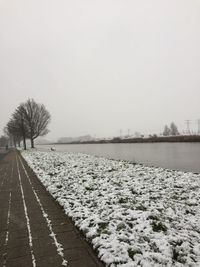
(125, 160)
(153, 139)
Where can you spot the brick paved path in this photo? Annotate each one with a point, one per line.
(34, 231)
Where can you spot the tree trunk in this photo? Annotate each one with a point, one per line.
(23, 133)
(32, 143)
(24, 142)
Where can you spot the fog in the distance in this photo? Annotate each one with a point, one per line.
(102, 66)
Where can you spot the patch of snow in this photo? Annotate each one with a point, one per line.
(133, 215)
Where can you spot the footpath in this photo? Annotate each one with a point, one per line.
(34, 231)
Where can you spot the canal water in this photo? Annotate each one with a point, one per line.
(177, 156)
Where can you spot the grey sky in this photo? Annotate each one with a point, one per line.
(102, 66)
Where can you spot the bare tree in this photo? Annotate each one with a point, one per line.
(9, 136)
(3, 141)
(166, 131)
(16, 128)
(174, 129)
(36, 119)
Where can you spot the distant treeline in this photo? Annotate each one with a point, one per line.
(153, 139)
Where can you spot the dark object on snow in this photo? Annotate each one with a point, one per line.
(52, 149)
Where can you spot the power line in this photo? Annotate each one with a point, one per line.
(188, 122)
(198, 123)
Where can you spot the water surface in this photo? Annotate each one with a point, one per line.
(177, 156)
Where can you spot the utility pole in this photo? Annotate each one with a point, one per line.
(120, 133)
(188, 122)
(198, 123)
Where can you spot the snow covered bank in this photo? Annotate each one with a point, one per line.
(133, 215)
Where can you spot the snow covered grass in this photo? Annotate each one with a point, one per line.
(133, 215)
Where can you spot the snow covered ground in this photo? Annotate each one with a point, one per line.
(133, 215)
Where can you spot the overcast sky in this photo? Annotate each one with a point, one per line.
(102, 66)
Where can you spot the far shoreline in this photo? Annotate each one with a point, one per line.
(118, 140)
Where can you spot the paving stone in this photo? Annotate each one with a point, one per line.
(50, 261)
(76, 254)
(18, 251)
(20, 262)
(19, 242)
(82, 262)
(63, 228)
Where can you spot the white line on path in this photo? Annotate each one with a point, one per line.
(4, 178)
(8, 220)
(7, 233)
(59, 246)
(27, 218)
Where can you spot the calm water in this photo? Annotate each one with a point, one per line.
(178, 156)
